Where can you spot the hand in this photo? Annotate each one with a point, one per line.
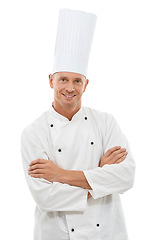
(48, 170)
(42, 168)
(114, 155)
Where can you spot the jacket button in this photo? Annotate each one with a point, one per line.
(59, 150)
(92, 143)
(72, 230)
(51, 125)
(97, 225)
(85, 118)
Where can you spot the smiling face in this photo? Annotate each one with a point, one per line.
(68, 89)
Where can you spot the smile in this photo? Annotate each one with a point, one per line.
(68, 96)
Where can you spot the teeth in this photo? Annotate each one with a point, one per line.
(69, 96)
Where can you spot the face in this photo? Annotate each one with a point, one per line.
(68, 89)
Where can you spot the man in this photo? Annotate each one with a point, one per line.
(76, 159)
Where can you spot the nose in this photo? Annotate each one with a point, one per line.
(70, 87)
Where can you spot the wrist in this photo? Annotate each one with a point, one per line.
(60, 177)
(74, 178)
(66, 176)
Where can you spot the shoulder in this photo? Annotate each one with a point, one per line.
(98, 115)
(101, 121)
(38, 126)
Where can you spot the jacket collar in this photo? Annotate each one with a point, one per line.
(77, 116)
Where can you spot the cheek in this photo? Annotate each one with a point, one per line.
(58, 89)
(81, 89)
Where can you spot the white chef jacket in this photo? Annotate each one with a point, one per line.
(64, 212)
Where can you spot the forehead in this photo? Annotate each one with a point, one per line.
(69, 75)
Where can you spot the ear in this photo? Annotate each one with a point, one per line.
(87, 81)
(51, 80)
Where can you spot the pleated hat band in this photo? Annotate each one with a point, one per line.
(73, 41)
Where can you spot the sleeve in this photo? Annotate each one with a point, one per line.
(115, 178)
(49, 196)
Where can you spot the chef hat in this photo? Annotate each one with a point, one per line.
(73, 41)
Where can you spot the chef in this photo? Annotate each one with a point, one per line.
(76, 159)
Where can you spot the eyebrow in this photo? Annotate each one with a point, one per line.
(78, 78)
(68, 78)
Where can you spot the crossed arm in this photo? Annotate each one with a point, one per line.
(41, 168)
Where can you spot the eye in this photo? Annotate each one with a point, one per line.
(63, 80)
(78, 81)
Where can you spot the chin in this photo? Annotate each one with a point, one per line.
(70, 105)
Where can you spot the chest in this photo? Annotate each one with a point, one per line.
(76, 145)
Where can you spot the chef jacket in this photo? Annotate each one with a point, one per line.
(64, 212)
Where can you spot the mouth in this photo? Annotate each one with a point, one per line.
(68, 96)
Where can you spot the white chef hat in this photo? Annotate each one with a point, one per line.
(73, 41)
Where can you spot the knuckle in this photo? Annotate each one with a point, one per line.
(123, 154)
(116, 148)
(108, 151)
(120, 155)
(115, 158)
(119, 161)
(37, 171)
(122, 150)
(122, 159)
(34, 167)
(114, 154)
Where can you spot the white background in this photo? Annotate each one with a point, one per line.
(119, 73)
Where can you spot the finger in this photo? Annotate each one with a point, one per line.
(121, 150)
(121, 157)
(37, 161)
(37, 175)
(120, 160)
(118, 154)
(123, 154)
(36, 171)
(36, 166)
(111, 150)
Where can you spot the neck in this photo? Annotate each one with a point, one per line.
(66, 112)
